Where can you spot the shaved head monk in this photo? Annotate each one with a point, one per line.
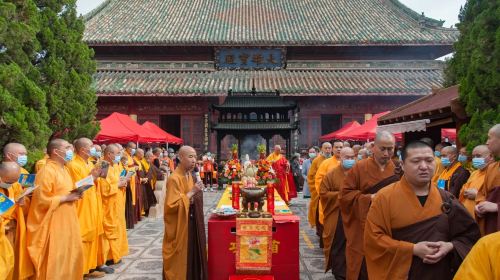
(333, 231)
(488, 197)
(9, 173)
(326, 152)
(54, 240)
(285, 184)
(315, 204)
(454, 175)
(184, 244)
(361, 184)
(415, 230)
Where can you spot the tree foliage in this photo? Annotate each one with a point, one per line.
(475, 67)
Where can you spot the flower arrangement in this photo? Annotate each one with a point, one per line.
(265, 173)
(232, 170)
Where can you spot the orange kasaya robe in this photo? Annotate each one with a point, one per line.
(329, 191)
(131, 167)
(88, 213)
(175, 240)
(40, 163)
(396, 212)
(439, 169)
(475, 181)
(355, 200)
(323, 169)
(490, 191)
(311, 176)
(14, 220)
(483, 261)
(6, 255)
(54, 242)
(113, 207)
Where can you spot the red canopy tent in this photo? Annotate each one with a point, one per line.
(120, 128)
(366, 131)
(345, 129)
(168, 138)
(450, 133)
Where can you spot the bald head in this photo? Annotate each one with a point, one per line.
(82, 144)
(384, 136)
(326, 149)
(187, 158)
(481, 150)
(9, 172)
(111, 152)
(139, 153)
(56, 144)
(347, 153)
(277, 149)
(494, 140)
(12, 151)
(449, 152)
(383, 148)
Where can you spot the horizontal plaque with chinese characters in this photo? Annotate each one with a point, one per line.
(250, 58)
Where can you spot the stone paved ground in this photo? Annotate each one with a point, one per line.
(145, 261)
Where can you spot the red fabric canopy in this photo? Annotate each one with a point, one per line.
(345, 129)
(168, 138)
(367, 131)
(120, 128)
(450, 133)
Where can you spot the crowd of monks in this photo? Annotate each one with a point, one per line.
(383, 212)
(59, 232)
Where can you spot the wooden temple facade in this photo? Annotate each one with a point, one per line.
(170, 61)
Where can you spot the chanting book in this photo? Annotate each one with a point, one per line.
(5, 203)
(27, 191)
(84, 184)
(26, 180)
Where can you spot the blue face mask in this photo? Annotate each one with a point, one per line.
(348, 163)
(117, 159)
(445, 161)
(22, 160)
(462, 158)
(98, 154)
(312, 155)
(478, 163)
(93, 152)
(68, 156)
(398, 153)
(437, 153)
(132, 152)
(360, 157)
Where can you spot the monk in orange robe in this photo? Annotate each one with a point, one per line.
(415, 230)
(87, 207)
(483, 261)
(9, 174)
(325, 153)
(113, 206)
(15, 221)
(324, 167)
(184, 243)
(482, 157)
(54, 241)
(362, 183)
(333, 231)
(454, 175)
(285, 185)
(488, 197)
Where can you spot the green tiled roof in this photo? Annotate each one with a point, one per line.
(254, 126)
(262, 23)
(389, 78)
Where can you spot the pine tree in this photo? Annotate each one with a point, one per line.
(475, 66)
(23, 111)
(66, 68)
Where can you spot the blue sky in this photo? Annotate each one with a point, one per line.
(438, 9)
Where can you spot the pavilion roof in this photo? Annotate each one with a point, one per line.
(300, 78)
(262, 23)
(255, 126)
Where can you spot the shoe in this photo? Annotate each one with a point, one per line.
(95, 274)
(106, 269)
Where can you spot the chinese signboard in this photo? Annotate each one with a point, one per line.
(250, 58)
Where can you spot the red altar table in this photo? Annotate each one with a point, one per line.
(222, 247)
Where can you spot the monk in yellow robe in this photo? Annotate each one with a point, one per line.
(483, 261)
(333, 231)
(184, 223)
(325, 153)
(87, 207)
(54, 241)
(454, 176)
(439, 166)
(135, 189)
(361, 184)
(481, 158)
(113, 205)
(9, 174)
(15, 222)
(410, 233)
(488, 197)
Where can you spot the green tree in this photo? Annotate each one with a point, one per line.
(66, 67)
(475, 66)
(23, 111)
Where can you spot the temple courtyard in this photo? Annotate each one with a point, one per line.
(145, 259)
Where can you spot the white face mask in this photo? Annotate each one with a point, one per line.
(5, 185)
